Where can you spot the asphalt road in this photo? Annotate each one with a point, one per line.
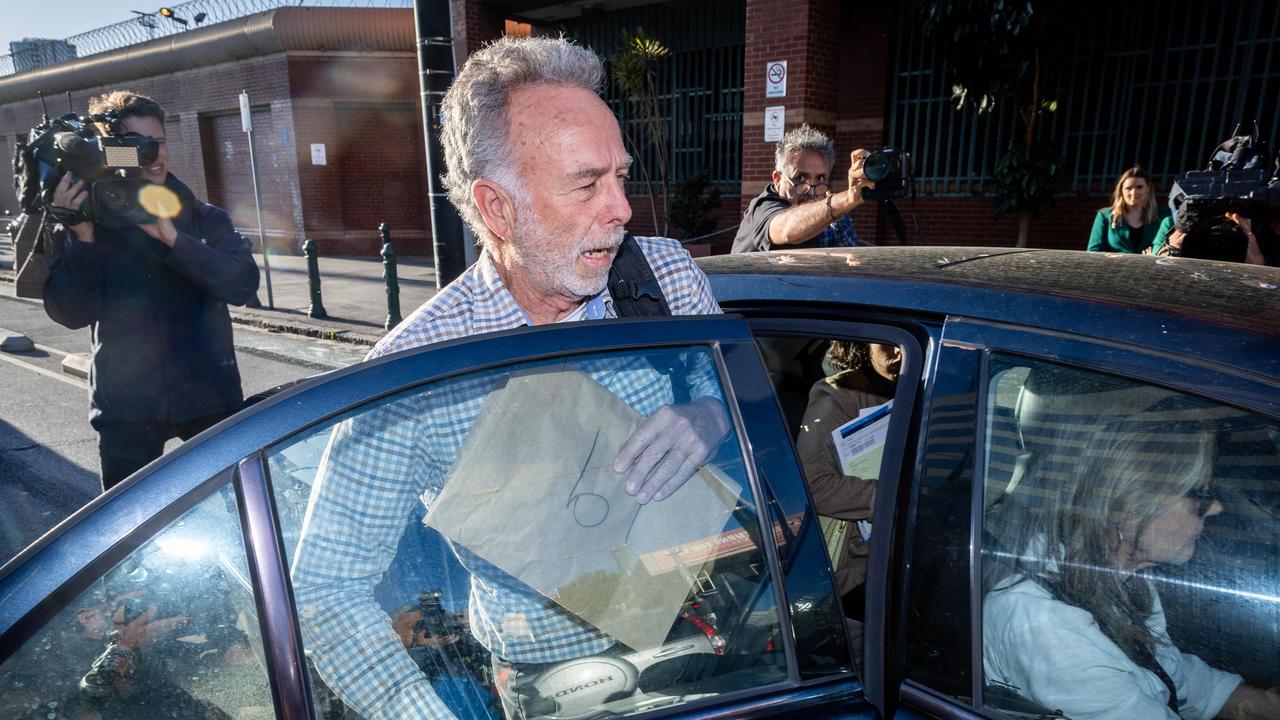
(48, 451)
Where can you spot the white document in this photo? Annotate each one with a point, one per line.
(860, 442)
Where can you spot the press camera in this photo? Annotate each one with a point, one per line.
(109, 164)
(1242, 177)
(890, 169)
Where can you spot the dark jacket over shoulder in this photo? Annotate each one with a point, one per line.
(834, 401)
(160, 330)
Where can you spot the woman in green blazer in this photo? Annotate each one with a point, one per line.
(1130, 224)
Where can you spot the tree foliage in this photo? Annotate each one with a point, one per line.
(635, 68)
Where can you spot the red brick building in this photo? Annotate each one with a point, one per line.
(336, 120)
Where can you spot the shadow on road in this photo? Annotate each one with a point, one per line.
(38, 489)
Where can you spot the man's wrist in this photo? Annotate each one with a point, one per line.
(82, 231)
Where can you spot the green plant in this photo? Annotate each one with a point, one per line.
(691, 204)
(635, 68)
(1026, 186)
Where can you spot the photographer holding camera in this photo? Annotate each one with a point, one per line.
(797, 209)
(1229, 211)
(154, 295)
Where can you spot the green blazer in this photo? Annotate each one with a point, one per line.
(1105, 238)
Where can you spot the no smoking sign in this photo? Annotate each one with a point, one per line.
(775, 82)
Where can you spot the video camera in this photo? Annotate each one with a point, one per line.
(1243, 178)
(890, 169)
(110, 165)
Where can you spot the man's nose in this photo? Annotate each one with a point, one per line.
(617, 209)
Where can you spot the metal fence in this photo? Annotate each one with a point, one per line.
(142, 28)
(700, 89)
(1160, 87)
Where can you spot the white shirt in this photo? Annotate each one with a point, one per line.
(1055, 654)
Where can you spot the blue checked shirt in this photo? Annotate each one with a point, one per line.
(380, 462)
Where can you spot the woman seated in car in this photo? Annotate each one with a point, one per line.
(1071, 620)
(861, 376)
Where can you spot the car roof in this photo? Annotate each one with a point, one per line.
(1225, 313)
(1236, 295)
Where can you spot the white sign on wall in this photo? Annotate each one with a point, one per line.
(317, 154)
(774, 122)
(775, 79)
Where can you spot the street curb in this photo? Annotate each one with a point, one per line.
(77, 365)
(312, 331)
(11, 341)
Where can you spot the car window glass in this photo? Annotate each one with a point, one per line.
(171, 631)
(837, 397)
(1129, 547)
(467, 544)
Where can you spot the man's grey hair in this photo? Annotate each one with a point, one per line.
(801, 139)
(475, 122)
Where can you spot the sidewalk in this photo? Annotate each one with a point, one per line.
(352, 292)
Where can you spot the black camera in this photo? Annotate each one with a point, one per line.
(110, 165)
(890, 169)
(1242, 178)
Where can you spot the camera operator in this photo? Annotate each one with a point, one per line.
(155, 297)
(797, 209)
(1169, 239)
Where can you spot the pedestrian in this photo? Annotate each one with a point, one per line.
(1131, 223)
(797, 209)
(537, 167)
(154, 297)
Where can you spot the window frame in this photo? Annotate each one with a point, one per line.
(1233, 386)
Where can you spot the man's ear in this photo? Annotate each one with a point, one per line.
(496, 207)
(777, 178)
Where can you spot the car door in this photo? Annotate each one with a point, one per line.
(244, 575)
(1026, 431)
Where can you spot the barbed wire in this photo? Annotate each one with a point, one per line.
(144, 27)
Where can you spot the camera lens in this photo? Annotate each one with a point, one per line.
(877, 166)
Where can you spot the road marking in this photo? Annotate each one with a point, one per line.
(42, 371)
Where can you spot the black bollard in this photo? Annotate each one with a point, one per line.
(389, 276)
(313, 279)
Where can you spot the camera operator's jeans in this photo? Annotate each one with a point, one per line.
(126, 447)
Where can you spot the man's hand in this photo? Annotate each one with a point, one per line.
(1252, 253)
(857, 179)
(669, 446)
(72, 196)
(162, 229)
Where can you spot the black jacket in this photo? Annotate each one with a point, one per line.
(161, 333)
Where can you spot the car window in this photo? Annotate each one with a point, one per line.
(837, 397)
(467, 545)
(1129, 557)
(170, 631)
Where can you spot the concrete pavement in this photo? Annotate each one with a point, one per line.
(352, 292)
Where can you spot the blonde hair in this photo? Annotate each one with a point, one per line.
(1137, 172)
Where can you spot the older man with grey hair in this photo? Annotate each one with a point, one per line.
(537, 168)
(798, 210)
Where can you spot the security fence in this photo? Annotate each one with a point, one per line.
(149, 26)
(699, 90)
(1155, 83)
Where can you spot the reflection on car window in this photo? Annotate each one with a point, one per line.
(468, 548)
(170, 632)
(1129, 555)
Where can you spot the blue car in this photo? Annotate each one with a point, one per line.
(911, 515)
